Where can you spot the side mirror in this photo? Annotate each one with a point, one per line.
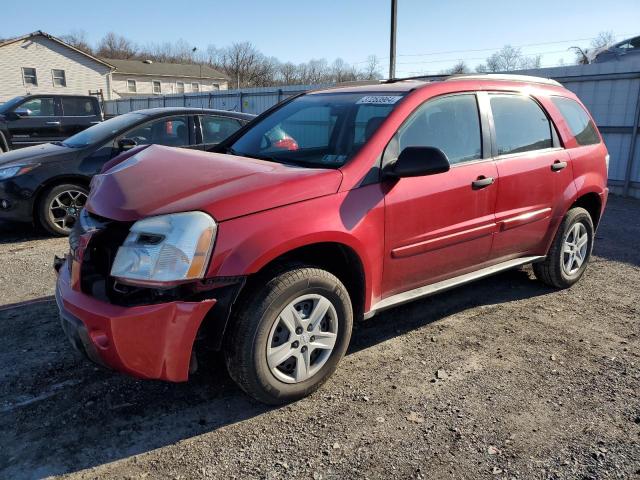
(417, 162)
(22, 112)
(125, 144)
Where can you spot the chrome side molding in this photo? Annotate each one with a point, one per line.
(427, 290)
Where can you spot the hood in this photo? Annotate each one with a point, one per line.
(159, 180)
(48, 152)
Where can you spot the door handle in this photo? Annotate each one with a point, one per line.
(558, 165)
(482, 182)
(52, 123)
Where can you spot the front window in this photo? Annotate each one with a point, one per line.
(131, 86)
(171, 132)
(39, 107)
(29, 76)
(157, 86)
(317, 130)
(103, 131)
(59, 78)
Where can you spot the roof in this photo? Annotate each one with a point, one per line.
(187, 110)
(40, 33)
(145, 67)
(399, 86)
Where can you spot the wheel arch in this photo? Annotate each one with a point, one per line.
(592, 203)
(54, 182)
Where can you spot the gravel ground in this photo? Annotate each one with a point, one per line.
(504, 378)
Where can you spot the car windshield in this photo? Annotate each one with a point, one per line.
(317, 130)
(8, 106)
(103, 131)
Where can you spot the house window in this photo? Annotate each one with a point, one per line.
(29, 76)
(195, 87)
(179, 87)
(215, 86)
(131, 86)
(59, 78)
(157, 86)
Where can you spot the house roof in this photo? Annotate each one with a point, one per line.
(145, 67)
(40, 33)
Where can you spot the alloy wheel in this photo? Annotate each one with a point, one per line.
(574, 248)
(65, 208)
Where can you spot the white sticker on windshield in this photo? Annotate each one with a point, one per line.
(379, 99)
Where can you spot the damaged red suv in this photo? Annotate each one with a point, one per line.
(369, 197)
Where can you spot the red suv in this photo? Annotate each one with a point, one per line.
(381, 194)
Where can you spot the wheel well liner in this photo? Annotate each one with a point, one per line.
(591, 203)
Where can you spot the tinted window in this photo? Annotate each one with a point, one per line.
(104, 130)
(216, 129)
(77, 107)
(580, 124)
(521, 125)
(39, 107)
(172, 132)
(451, 124)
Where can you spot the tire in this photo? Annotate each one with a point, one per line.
(259, 335)
(553, 270)
(68, 208)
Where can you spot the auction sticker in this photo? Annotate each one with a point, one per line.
(379, 99)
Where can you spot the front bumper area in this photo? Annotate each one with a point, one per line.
(149, 341)
(16, 204)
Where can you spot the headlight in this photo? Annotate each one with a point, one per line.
(15, 171)
(166, 249)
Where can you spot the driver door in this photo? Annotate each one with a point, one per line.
(440, 226)
(41, 123)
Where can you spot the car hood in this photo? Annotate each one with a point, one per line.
(48, 152)
(160, 180)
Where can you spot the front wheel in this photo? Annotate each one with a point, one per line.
(289, 336)
(570, 251)
(60, 207)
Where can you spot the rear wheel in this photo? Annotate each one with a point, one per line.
(60, 207)
(289, 336)
(570, 252)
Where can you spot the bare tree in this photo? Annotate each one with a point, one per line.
(372, 68)
(78, 39)
(457, 69)
(116, 46)
(601, 42)
(509, 58)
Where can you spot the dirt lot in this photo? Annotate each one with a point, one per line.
(535, 383)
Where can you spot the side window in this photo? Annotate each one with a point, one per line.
(172, 132)
(39, 107)
(520, 124)
(216, 129)
(580, 124)
(77, 107)
(450, 123)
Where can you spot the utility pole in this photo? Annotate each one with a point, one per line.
(392, 43)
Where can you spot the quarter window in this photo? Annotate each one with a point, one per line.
(580, 124)
(131, 86)
(59, 78)
(451, 124)
(157, 87)
(520, 124)
(29, 76)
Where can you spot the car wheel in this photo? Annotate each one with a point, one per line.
(289, 335)
(570, 251)
(60, 206)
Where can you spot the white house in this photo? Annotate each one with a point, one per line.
(41, 63)
(144, 77)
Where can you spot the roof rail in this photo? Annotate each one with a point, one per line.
(504, 77)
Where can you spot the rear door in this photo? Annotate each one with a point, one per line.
(534, 171)
(39, 122)
(78, 113)
(212, 129)
(440, 226)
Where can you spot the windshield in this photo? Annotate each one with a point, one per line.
(8, 106)
(103, 131)
(317, 130)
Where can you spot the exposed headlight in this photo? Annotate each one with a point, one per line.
(15, 171)
(166, 249)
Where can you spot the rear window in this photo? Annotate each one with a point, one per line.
(78, 107)
(580, 124)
